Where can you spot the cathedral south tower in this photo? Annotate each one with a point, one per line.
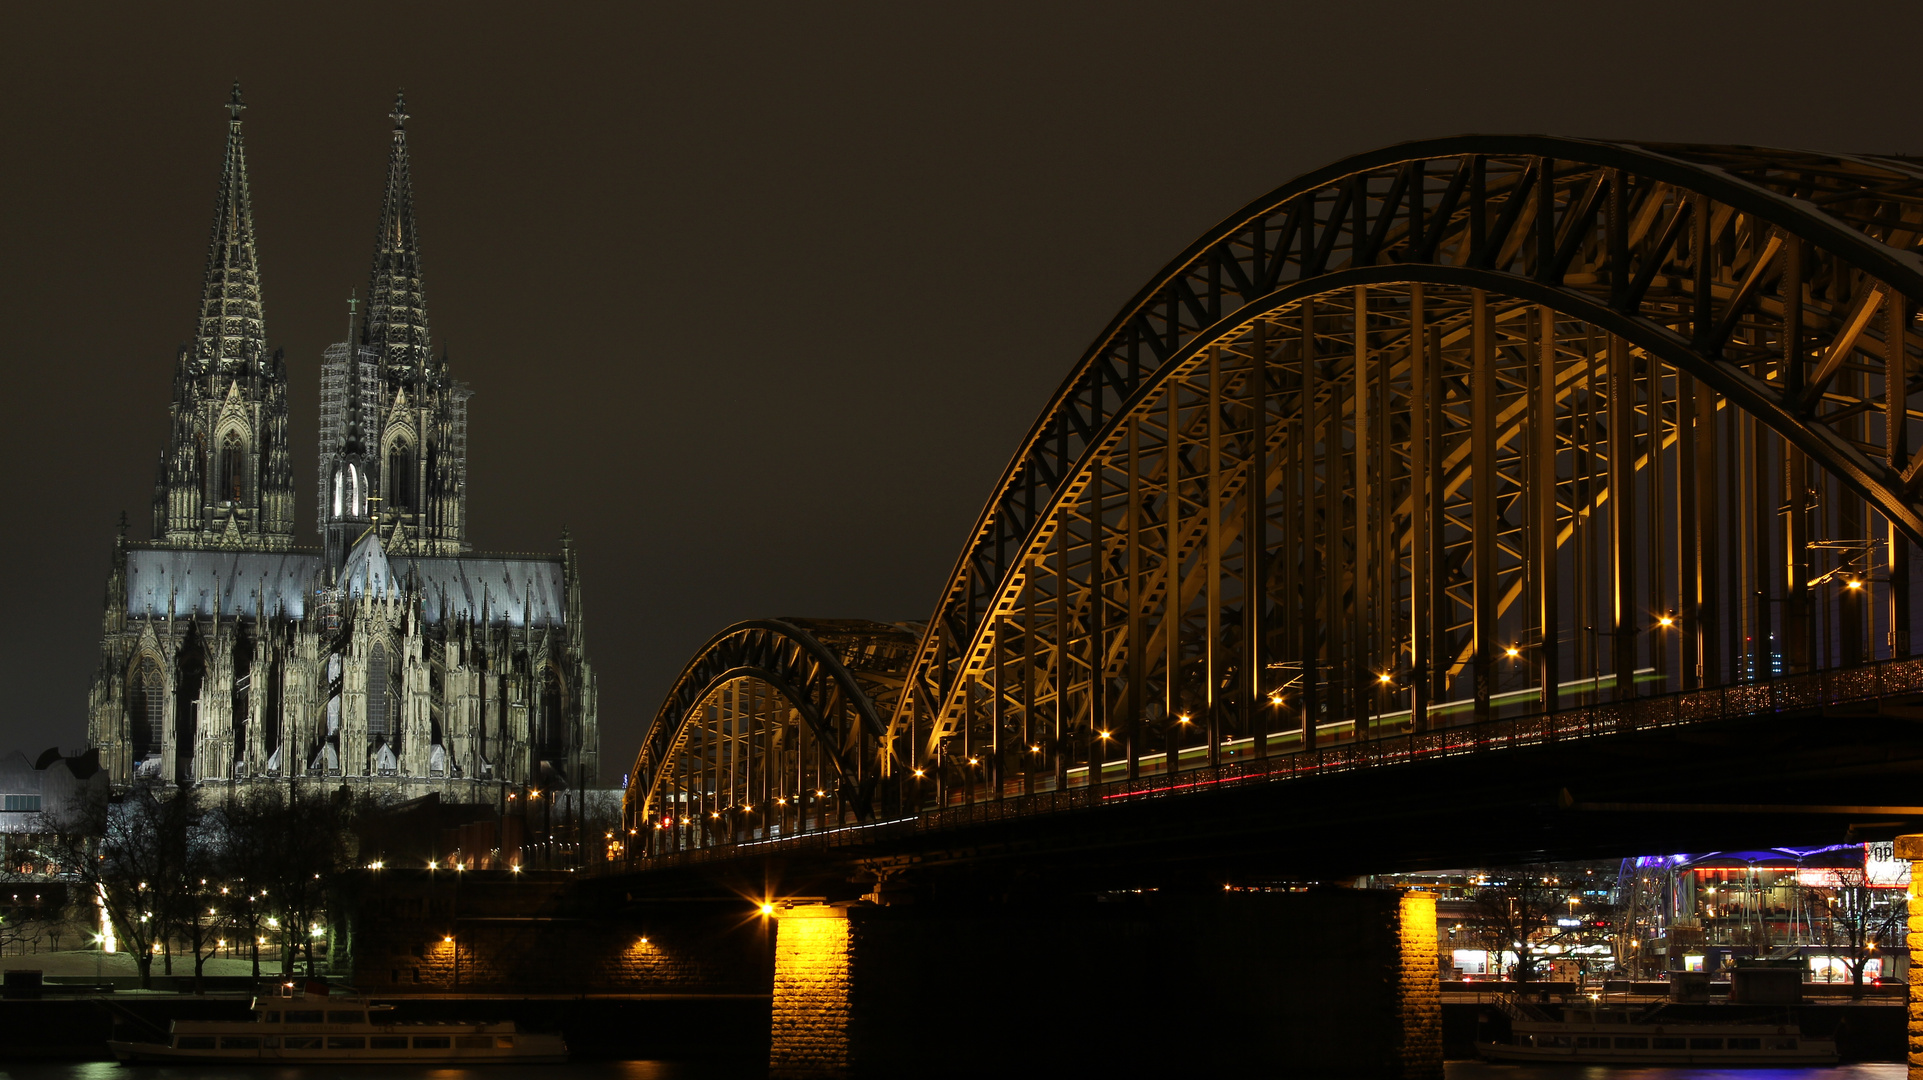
(393, 430)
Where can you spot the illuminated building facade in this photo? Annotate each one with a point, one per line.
(393, 655)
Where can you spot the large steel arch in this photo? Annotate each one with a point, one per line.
(1720, 333)
(772, 729)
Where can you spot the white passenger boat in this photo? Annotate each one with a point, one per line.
(315, 1026)
(1641, 1035)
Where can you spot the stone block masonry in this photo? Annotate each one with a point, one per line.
(1420, 988)
(488, 931)
(809, 1024)
(1911, 848)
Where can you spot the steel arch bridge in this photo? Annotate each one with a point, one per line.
(1458, 432)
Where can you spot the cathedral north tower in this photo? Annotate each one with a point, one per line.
(226, 480)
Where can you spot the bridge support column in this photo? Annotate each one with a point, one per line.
(1911, 848)
(1333, 983)
(810, 1017)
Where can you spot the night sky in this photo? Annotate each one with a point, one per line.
(757, 300)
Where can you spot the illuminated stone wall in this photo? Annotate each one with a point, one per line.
(1911, 848)
(534, 933)
(809, 1024)
(1420, 988)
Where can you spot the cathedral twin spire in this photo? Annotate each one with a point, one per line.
(232, 330)
(396, 301)
(226, 481)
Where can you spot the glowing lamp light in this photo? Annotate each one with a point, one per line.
(1184, 718)
(447, 939)
(514, 868)
(1853, 583)
(1512, 652)
(974, 761)
(1036, 748)
(1104, 735)
(1275, 699)
(919, 773)
(1384, 678)
(1665, 621)
(819, 793)
(767, 909)
(430, 864)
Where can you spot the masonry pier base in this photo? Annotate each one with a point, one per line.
(1325, 983)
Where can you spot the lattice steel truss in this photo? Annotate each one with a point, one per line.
(774, 728)
(1457, 429)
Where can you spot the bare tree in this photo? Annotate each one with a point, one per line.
(1512, 911)
(130, 855)
(1857, 923)
(32, 909)
(288, 849)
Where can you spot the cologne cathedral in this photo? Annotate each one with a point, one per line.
(392, 656)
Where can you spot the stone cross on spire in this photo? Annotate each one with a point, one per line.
(234, 104)
(399, 115)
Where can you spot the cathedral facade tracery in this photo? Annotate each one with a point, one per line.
(392, 656)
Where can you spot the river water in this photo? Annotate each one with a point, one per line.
(1482, 1070)
(663, 1070)
(574, 1070)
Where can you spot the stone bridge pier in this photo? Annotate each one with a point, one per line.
(1911, 848)
(1324, 983)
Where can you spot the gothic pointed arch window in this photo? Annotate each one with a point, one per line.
(379, 699)
(147, 706)
(400, 475)
(233, 468)
(551, 744)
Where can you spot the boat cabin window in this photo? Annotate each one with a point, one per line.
(1592, 1042)
(335, 1016)
(1782, 1044)
(1745, 1044)
(347, 1042)
(1670, 1043)
(240, 1042)
(388, 1042)
(1631, 1042)
(302, 1042)
(270, 1017)
(430, 1042)
(504, 1042)
(475, 1042)
(304, 1016)
(193, 1042)
(1705, 1044)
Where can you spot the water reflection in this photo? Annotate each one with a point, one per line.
(1483, 1070)
(577, 1070)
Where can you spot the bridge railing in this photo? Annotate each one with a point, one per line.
(1790, 693)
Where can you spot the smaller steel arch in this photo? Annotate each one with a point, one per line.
(807, 662)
